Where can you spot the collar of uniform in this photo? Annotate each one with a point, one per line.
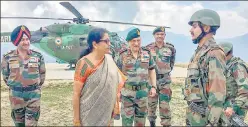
(208, 42)
(130, 52)
(16, 52)
(155, 45)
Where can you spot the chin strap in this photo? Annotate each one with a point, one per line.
(197, 40)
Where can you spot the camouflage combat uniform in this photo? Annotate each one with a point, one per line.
(134, 93)
(165, 59)
(237, 86)
(205, 84)
(24, 79)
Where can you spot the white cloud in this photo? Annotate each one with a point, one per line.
(233, 22)
(53, 9)
(242, 9)
(39, 10)
(177, 17)
(167, 14)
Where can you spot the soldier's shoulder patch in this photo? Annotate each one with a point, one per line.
(36, 52)
(123, 50)
(8, 53)
(145, 49)
(170, 44)
(242, 63)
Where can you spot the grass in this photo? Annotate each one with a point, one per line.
(56, 104)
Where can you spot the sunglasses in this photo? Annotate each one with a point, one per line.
(106, 41)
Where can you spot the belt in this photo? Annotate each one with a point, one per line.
(135, 87)
(25, 89)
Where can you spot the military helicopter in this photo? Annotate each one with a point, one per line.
(66, 41)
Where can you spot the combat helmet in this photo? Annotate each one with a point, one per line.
(227, 47)
(206, 17)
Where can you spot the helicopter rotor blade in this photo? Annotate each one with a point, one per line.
(114, 22)
(71, 8)
(34, 18)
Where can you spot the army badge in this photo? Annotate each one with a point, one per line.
(23, 28)
(138, 32)
(145, 57)
(153, 52)
(33, 60)
(162, 29)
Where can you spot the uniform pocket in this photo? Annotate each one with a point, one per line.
(14, 69)
(193, 70)
(33, 68)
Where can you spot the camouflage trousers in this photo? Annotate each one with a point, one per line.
(195, 119)
(134, 107)
(163, 97)
(25, 107)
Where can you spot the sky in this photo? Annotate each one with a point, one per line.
(175, 14)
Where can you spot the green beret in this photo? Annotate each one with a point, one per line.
(226, 46)
(158, 29)
(134, 33)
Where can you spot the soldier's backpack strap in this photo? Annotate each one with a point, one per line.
(146, 49)
(210, 48)
(171, 46)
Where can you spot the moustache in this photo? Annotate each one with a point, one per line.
(192, 33)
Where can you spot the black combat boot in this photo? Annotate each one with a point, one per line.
(152, 124)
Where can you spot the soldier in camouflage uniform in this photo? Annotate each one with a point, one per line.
(23, 72)
(237, 83)
(205, 84)
(164, 56)
(138, 65)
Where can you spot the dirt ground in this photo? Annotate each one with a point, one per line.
(56, 104)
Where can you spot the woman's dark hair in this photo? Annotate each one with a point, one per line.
(94, 35)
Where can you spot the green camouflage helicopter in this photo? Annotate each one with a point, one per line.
(66, 41)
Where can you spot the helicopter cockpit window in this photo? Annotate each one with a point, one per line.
(81, 41)
(66, 28)
(44, 31)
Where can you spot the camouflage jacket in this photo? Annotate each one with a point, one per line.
(237, 83)
(18, 72)
(206, 82)
(136, 70)
(164, 57)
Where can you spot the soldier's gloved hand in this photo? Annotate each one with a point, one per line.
(152, 92)
(229, 111)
